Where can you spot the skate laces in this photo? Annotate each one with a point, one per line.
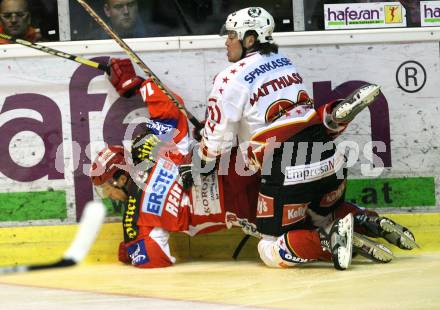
(361, 218)
(324, 239)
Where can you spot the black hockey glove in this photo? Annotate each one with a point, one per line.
(185, 172)
(197, 133)
(201, 166)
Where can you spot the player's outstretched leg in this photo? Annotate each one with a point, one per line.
(340, 239)
(386, 228)
(371, 249)
(347, 109)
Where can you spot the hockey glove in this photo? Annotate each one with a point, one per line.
(185, 172)
(198, 133)
(122, 253)
(123, 77)
(193, 171)
(203, 165)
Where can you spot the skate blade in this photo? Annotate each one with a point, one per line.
(390, 227)
(373, 91)
(379, 252)
(349, 110)
(345, 227)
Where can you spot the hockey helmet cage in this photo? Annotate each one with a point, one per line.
(252, 18)
(108, 161)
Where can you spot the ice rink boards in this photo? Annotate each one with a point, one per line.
(410, 281)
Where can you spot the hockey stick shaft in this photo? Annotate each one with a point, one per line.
(89, 226)
(58, 53)
(240, 246)
(182, 17)
(133, 56)
(17, 269)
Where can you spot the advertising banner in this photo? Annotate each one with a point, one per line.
(55, 116)
(364, 15)
(429, 13)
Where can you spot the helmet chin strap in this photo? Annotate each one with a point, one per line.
(246, 51)
(243, 51)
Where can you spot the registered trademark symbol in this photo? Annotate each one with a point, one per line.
(411, 76)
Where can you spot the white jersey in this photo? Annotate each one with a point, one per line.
(258, 98)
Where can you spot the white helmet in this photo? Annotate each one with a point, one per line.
(253, 18)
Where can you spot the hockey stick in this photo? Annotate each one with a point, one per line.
(182, 17)
(133, 56)
(240, 246)
(55, 52)
(231, 220)
(91, 220)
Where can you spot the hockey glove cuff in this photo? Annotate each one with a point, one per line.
(123, 77)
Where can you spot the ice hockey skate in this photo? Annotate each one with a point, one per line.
(339, 240)
(347, 109)
(383, 227)
(398, 235)
(371, 249)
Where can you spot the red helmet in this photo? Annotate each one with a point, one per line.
(107, 163)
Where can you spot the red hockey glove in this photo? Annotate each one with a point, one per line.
(122, 253)
(123, 77)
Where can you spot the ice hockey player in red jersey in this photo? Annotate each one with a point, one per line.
(157, 200)
(157, 204)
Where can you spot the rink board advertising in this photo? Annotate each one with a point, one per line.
(429, 13)
(364, 15)
(55, 115)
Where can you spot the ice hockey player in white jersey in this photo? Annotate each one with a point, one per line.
(261, 99)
